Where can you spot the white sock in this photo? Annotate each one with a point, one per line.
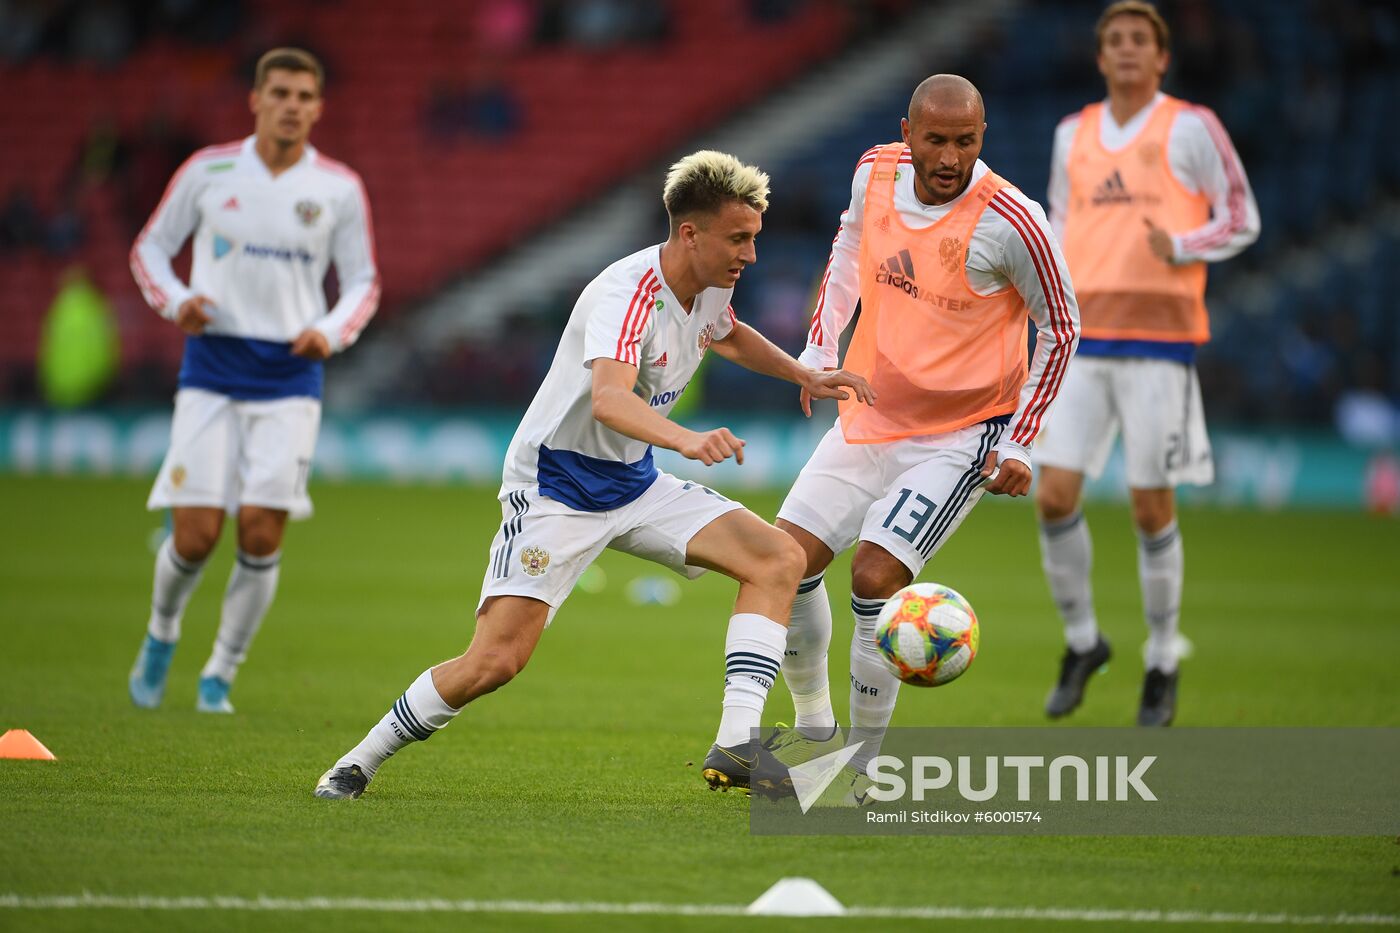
(1161, 567)
(414, 717)
(1067, 555)
(804, 663)
(753, 651)
(251, 586)
(873, 688)
(175, 581)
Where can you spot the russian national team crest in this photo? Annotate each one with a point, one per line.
(308, 212)
(707, 335)
(535, 560)
(950, 252)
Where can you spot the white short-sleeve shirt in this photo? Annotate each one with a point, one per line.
(628, 313)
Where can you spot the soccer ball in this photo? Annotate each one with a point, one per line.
(927, 634)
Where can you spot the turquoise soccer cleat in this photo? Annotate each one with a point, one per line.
(147, 680)
(213, 696)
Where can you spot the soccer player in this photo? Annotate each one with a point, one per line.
(268, 214)
(579, 477)
(1145, 190)
(949, 263)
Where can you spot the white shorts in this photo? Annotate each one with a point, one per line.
(907, 496)
(225, 453)
(1155, 403)
(544, 546)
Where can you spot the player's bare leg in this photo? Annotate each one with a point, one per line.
(252, 584)
(507, 630)
(767, 565)
(179, 566)
(1161, 567)
(1066, 555)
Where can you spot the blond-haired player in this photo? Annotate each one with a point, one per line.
(950, 263)
(1145, 190)
(269, 214)
(579, 477)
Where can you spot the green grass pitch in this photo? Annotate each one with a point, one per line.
(580, 781)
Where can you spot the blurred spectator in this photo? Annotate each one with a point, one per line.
(102, 155)
(21, 227)
(1364, 415)
(505, 26)
(78, 349)
(65, 231)
(486, 108)
(23, 25)
(101, 31)
(157, 151)
(599, 25)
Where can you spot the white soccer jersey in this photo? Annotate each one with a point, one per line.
(262, 245)
(627, 313)
(1202, 159)
(1012, 245)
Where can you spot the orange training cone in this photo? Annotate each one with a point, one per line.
(18, 743)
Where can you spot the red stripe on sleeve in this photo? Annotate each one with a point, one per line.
(620, 353)
(340, 168)
(363, 312)
(1234, 177)
(1041, 255)
(155, 296)
(634, 342)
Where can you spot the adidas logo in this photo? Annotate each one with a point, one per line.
(898, 271)
(661, 360)
(901, 264)
(1112, 191)
(231, 204)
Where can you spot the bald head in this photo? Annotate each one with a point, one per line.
(944, 136)
(946, 98)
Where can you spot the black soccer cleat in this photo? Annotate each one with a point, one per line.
(748, 766)
(1075, 669)
(342, 783)
(1158, 706)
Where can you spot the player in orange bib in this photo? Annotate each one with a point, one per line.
(949, 263)
(1145, 189)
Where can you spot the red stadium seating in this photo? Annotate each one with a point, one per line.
(441, 207)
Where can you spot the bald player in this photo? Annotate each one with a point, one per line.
(1145, 189)
(949, 262)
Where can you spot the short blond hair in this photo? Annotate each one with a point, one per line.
(704, 181)
(1135, 8)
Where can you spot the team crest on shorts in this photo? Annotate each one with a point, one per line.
(707, 334)
(950, 252)
(308, 212)
(177, 477)
(535, 560)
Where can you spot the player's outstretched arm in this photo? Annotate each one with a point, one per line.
(618, 407)
(752, 350)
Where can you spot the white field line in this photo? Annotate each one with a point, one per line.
(88, 901)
